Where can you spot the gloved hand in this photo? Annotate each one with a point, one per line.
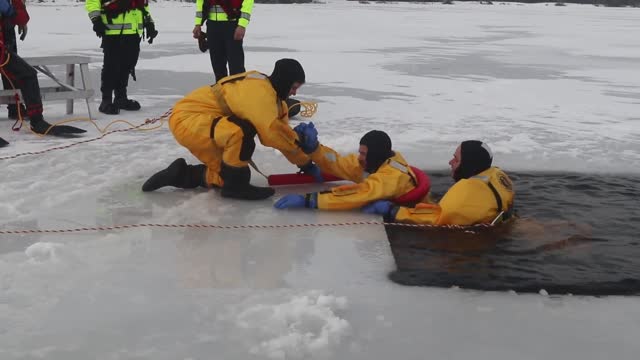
(380, 207)
(150, 28)
(22, 30)
(202, 42)
(312, 169)
(291, 201)
(308, 137)
(299, 129)
(98, 26)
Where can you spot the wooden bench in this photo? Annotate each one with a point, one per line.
(64, 90)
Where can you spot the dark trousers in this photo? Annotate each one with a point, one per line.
(120, 58)
(224, 49)
(24, 77)
(11, 44)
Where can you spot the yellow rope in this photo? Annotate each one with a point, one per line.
(307, 108)
(6, 61)
(102, 131)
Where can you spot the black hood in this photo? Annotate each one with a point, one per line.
(379, 150)
(475, 156)
(285, 73)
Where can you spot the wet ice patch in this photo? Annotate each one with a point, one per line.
(305, 325)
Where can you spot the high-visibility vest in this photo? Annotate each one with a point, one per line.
(224, 10)
(121, 17)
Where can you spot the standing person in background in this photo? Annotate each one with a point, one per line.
(121, 24)
(226, 21)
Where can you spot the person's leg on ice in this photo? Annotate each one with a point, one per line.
(236, 139)
(24, 77)
(130, 53)
(10, 43)
(108, 77)
(233, 48)
(179, 174)
(192, 132)
(217, 48)
(226, 158)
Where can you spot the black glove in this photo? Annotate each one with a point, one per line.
(98, 26)
(202, 42)
(150, 28)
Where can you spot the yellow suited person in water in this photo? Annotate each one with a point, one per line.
(482, 193)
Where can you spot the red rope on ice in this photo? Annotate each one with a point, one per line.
(237, 227)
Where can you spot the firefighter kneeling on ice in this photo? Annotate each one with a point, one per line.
(379, 173)
(218, 124)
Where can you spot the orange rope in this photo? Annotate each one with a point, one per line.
(470, 229)
(136, 127)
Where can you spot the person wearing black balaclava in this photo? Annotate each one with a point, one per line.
(377, 171)
(482, 193)
(218, 124)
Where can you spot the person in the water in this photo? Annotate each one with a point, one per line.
(482, 193)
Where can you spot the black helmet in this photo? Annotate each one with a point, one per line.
(285, 73)
(475, 156)
(378, 145)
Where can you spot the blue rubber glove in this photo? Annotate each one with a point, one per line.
(299, 129)
(313, 170)
(308, 137)
(295, 201)
(291, 201)
(380, 207)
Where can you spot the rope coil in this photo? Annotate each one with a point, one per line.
(308, 108)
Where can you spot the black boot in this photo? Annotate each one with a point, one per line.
(12, 112)
(122, 102)
(107, 107)
(40, 126)
(294, 106)
(236, 184)
(3, 142)
(179, 175)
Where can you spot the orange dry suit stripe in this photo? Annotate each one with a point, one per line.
(393, 178)
(246, 105)
(477, 200)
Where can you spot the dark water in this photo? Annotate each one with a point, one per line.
(574, 234)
